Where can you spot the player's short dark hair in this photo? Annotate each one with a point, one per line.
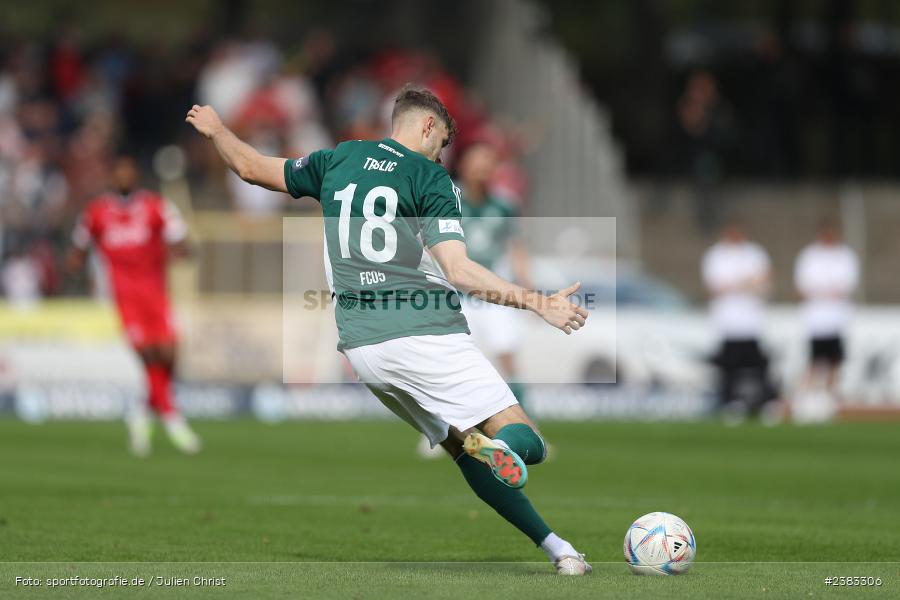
(412, 97)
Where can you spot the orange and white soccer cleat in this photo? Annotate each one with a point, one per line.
(505, 464)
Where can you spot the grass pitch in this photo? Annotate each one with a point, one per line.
(346, 510)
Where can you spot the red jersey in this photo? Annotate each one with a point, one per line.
(132, 234)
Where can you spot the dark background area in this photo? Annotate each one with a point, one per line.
(805, 88)
(160, 47)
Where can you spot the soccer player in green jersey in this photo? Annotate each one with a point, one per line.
(395, 256)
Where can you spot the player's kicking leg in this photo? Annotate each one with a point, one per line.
(445, 387)
(508, 443)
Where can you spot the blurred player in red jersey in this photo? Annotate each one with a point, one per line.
(136, 231)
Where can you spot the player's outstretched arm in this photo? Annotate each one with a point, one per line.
(242, 158)
(472, 278)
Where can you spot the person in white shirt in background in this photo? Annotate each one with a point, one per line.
(737, 275)
(826, 275)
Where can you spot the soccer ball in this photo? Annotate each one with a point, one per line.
(659, 544)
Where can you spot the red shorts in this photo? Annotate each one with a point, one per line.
(147, 320)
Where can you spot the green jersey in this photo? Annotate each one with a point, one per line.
(490, 226)
(383, 205)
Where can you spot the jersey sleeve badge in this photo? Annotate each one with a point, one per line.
(450, 226)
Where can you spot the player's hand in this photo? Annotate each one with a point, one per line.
(558, 311)
(205, 119)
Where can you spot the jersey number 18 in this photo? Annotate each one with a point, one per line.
(373, 222)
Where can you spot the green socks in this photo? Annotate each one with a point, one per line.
(524, 441)
(510, 504)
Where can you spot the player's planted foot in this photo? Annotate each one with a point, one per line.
(504, 463)
(181, 435)
(572, 565)
(566, 559)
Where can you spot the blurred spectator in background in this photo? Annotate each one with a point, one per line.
(67, 101)
(355, 99)
(704, 129)
(54, 117)
(239, 81)
(33, 194)
(233, 73)
(281, 117)
(826, 275)
(737, 274)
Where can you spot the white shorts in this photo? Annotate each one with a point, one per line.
(496, 329)
(433, 382)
